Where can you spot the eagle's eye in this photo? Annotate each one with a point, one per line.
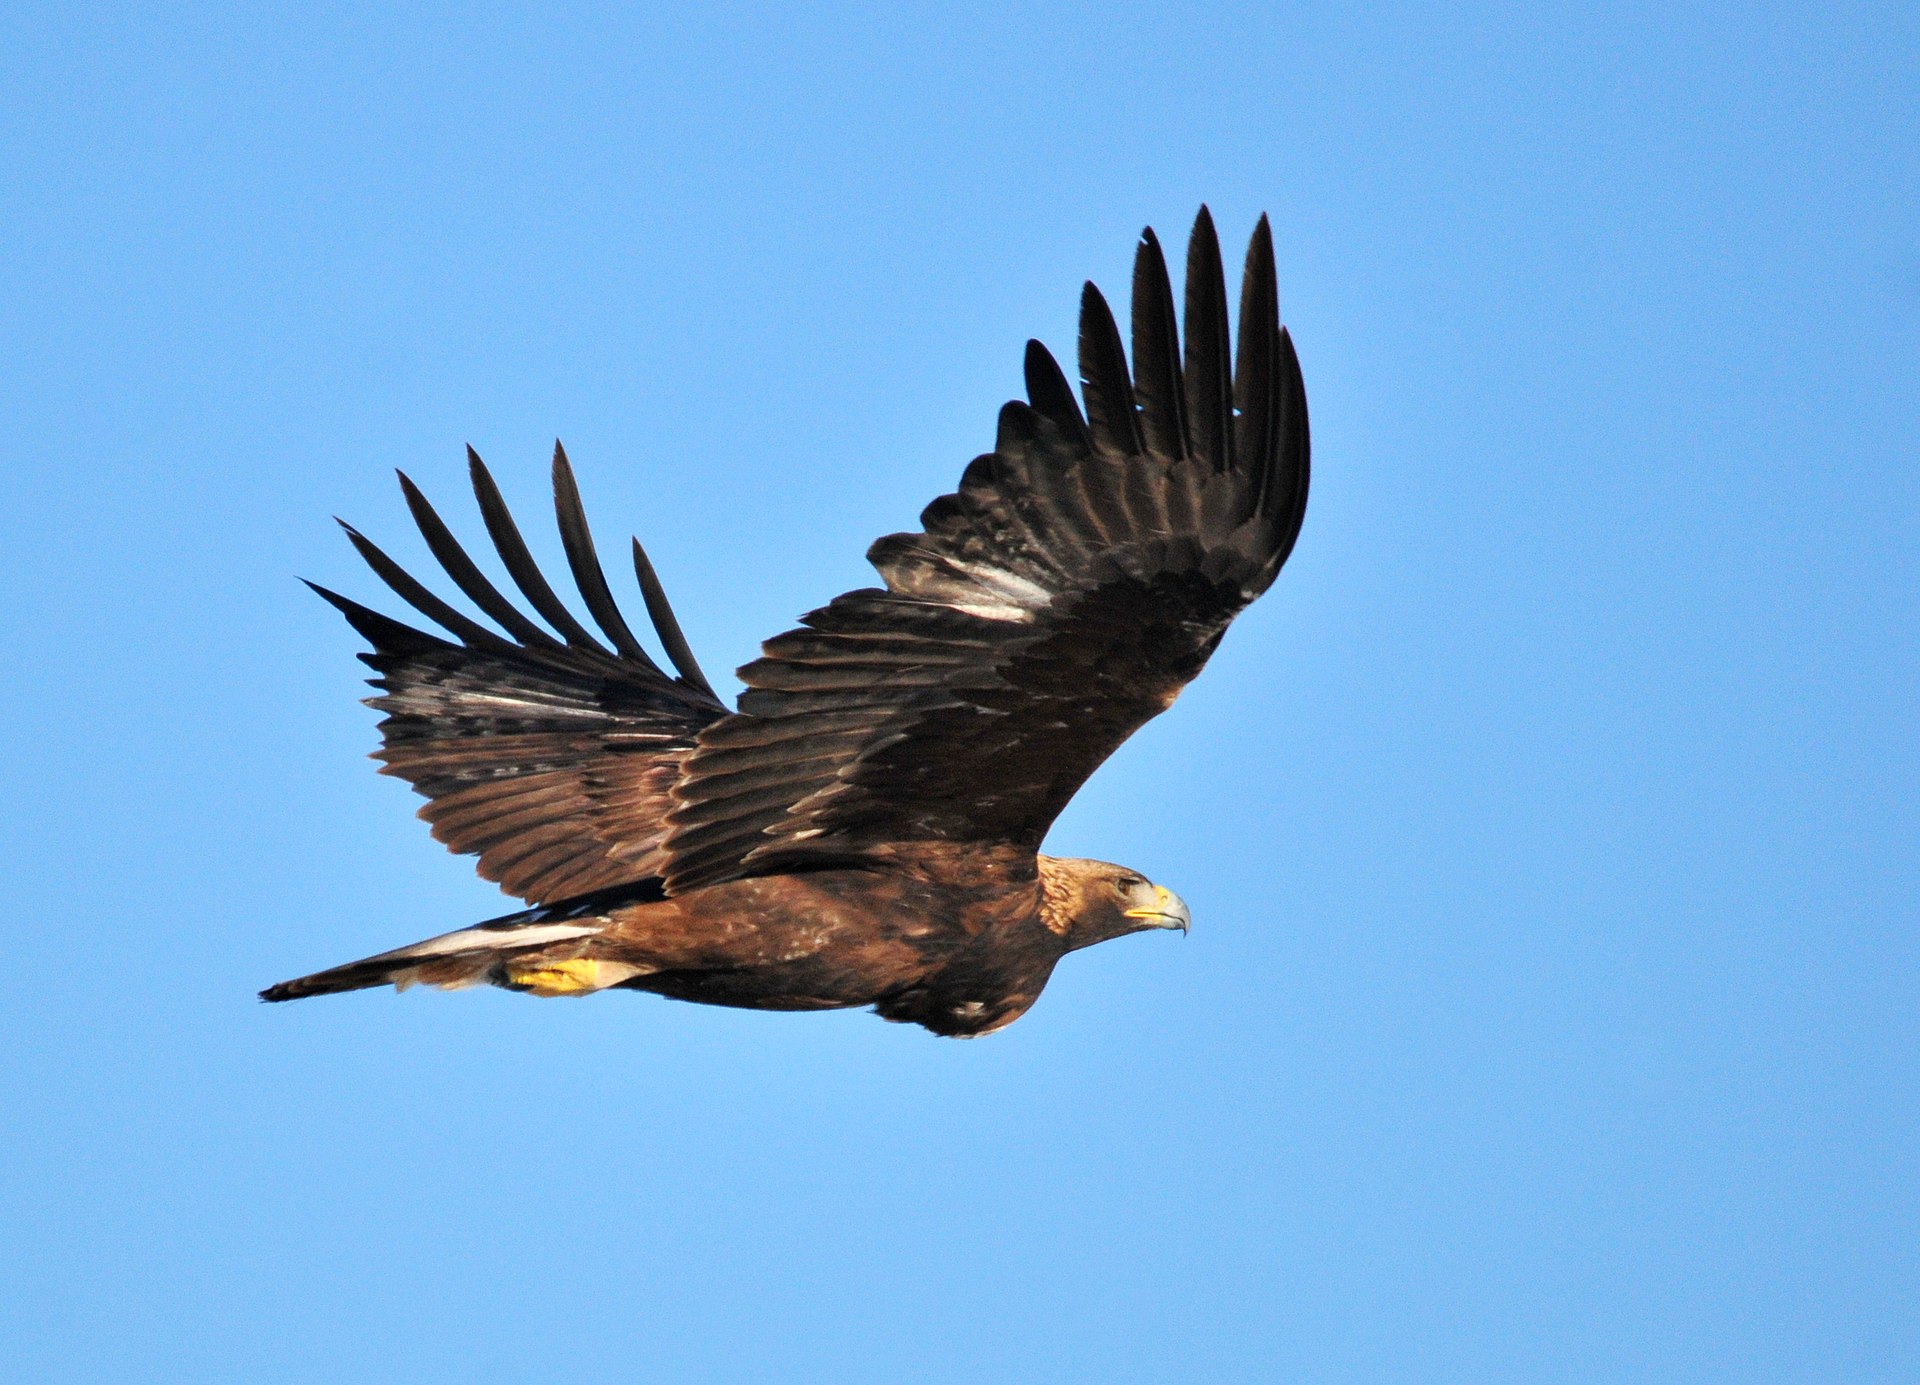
(1127, 884)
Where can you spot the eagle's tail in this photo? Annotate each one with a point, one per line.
(485, 952)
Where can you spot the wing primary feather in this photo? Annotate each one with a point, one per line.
(1112, 414)
(519, 562)
(1208, 373)
(666, 626)
(1085, 493)
(387, 635)
(1104, 378)
(465, 573)
(588, 575)
(1289, 506)
(418, 597)
(1255, 382)
(1051, 395)
(1156, 353)
(1026, 474)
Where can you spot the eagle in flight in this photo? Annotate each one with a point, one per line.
(864, 829)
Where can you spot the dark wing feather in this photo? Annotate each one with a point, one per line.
(1079, 577)
(1156, 352)
(679, 652)
(1209, 382)
(519, 562)
(552, 759)
(588, 575)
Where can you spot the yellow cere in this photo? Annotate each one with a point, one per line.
(1161, 895)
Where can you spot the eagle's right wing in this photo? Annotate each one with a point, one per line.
(1080, 576)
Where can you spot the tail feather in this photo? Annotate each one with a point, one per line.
(465, 957)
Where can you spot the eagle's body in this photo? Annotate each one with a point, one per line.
(961, 941)
(864, 829)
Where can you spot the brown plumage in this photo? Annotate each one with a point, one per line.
(864, 829)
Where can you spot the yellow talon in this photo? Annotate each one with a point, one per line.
(560, 978)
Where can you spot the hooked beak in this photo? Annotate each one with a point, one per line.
(1168, 911)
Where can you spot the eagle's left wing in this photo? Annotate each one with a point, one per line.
(1080, 577)
(546, 752)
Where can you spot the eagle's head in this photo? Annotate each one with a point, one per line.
(1087, 902)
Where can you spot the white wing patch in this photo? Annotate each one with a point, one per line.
(479, 939)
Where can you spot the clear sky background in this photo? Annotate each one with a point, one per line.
(1550, 828)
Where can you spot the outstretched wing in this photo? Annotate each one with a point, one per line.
(1079, 578)
(549, 755)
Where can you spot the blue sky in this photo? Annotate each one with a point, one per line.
(1550, 827)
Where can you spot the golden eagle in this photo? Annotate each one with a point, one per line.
(864, 829)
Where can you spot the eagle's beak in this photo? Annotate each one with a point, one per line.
(1168, 911)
